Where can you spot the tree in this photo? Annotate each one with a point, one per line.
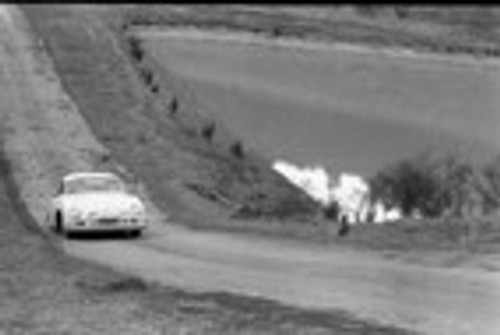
(464, 189)
(491, 190)
(408, 185)
(448, 185)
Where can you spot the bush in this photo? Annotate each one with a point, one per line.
(446, 186)
(409, 185)
(174, 105)
(147, 76)
(155, 88)
(135, 47)
(332, 211)
(491, 172)
(237, 150)
(208, 131)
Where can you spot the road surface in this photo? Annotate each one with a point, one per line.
(45, 136)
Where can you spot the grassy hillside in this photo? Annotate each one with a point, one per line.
(153, 125)
(344, 110)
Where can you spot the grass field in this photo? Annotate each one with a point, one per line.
(345, 110)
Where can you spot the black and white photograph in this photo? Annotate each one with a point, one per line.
(239, 168)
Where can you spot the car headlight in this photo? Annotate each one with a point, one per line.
(136, 215)
(75, 215)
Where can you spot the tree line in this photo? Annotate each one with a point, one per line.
(439, 186)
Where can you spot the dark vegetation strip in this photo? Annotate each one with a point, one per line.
(473, 33)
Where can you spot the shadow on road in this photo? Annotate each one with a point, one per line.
(99, 236)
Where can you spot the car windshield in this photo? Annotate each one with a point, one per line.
(93, 184)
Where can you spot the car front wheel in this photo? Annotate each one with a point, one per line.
(60, 224)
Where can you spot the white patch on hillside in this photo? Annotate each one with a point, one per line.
(314, 180)
(350, 191)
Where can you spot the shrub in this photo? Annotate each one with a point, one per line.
(208, 131)
(408, 184)
(276, 31)
(147, 76)
(155, 88)
(331, 211)
(135, 47)
(237, 150)
(447, 186)
(491, 172)
(174, 105)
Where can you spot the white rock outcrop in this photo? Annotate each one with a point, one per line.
(350, 191)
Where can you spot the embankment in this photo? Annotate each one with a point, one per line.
(153, 125)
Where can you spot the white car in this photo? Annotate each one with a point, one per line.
(97, 202)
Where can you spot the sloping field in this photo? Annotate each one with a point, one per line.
(346, 110)
(160, 141)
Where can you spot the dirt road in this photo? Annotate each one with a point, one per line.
(45, 137)
(431, 300)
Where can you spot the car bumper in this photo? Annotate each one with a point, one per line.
(95, 226)
(102, 229)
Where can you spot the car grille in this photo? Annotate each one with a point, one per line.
(108, 221)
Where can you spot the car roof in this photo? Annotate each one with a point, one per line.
(82, 175)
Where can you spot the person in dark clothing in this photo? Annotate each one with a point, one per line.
(344, 226)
